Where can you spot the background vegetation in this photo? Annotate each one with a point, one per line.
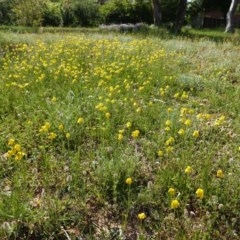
(92, 13)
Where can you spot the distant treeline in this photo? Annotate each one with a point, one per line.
(82, 12)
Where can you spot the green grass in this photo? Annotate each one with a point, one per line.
(82, 112)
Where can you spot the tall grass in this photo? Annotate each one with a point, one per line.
(118, 136)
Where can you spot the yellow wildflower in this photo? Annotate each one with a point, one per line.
(11, 153)
(184, 95)
(196, 134)
(200, 193)
(17, 147)
(135, 133)
(11, 141)
(219, 173)
(188, 170)
(142, 216)
(19, 156)
(170, 141)
(43, 129)
(80, 120)
(172, 191)
(54, 99)
(175, 204)
(167, 129)
(29, 122)
(181, 132)
(220, 120)
(169, 149)
(107, 115)
(128, 124)
(187, 122)
(168, 123)
(61, 127)
(138, 110)
(162, 92)
(121, 131)
(160, 153)
(52, 135)
(120, 137)
(176, 95)
(68, 135)
(184, 111)
(47, 125)
(129, 181)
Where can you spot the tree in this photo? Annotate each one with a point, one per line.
(52, 15)
(180, 15)
(157, 16)
(5, 11)
(29, 12)
(230, 16)
(178, 11)
(80, 13)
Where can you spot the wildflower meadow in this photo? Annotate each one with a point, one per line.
(119, 136)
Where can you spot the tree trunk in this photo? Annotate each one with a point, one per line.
(230, 16)
(157, 16)
(180, 16)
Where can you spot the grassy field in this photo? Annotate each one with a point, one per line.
(119, 136)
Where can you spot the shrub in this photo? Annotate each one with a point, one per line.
(125, 11)
(52, 15)
(29, 12)
(5, 12)
(80, 13)
(118, 11)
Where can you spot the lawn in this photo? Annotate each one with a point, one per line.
(119, 136)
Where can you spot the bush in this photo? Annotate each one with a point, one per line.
(29, 12)
(52, 15)
(143, 12)
(123, 11)
(80, 13)
(118, 11)
(5, 12)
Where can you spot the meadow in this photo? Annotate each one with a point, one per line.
(119, 136)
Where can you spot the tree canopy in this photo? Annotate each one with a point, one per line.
(95, 12)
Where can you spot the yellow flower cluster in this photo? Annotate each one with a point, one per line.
(52, 135)
(45, 127)
(175, 202)
(170, 141)
(101, 107)
(135, 133)
(220, 120)
(15, 150)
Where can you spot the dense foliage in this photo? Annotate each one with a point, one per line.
(123, 11)
(82, 12)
